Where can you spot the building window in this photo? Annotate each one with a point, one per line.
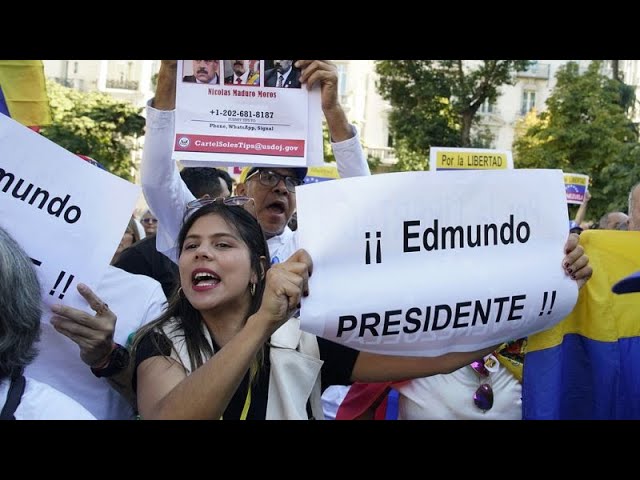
(528, 101)
(487, 107)
(75, 67)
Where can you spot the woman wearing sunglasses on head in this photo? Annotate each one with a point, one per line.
(226, 346)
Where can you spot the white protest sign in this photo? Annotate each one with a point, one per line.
(254, 122)
(419, 263)
(67, 214)
(446, 158)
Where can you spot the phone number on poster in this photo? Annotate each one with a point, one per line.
(241, 113)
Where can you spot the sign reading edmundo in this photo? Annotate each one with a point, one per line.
(67, 214)
(418, 263)
(446, 158)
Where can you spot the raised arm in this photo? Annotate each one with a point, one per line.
(345, 141)
(164, 190)
(582, 209)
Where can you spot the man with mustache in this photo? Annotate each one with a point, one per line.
(242, 74)
(282, 75)
(204, 71)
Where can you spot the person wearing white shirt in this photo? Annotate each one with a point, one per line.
(21, 397)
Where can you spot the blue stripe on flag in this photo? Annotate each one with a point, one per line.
(583, 379)
(3, 104)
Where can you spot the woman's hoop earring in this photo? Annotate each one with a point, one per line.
(180, 293)
(252, 289)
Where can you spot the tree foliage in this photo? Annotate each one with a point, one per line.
(434, 102)
(586, 130)
(94, 124)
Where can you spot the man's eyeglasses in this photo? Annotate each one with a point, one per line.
(269, 178)
(149, 220)
(483, 397)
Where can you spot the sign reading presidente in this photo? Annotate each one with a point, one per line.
(446, 158)
(438, 263)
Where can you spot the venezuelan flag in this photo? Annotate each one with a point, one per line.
(321, 173)
(23, 93)
(588, 366)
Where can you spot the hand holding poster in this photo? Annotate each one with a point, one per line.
(576, 186)
(67, 214)
(244, 112)
(438, 263)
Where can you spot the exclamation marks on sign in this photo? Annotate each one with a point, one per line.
(367, 252)
(64, 290)
(544, 302)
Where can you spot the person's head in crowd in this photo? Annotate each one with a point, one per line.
(609, 221)
(274, 193)
(622, 226)
(293, 221)
(282, 66)
(203, 181)
(634, 208)
(205, 71)
(240, 66)
(129, 237)
(20, 307)
(222, 269)
(149, 223)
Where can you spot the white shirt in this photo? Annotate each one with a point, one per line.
(167, 195)
(136, 300)
(43, 402)
(450, 397)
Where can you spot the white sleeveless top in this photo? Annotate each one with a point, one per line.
(295, 369)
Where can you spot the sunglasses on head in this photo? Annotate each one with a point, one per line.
(270, 178)
(483, 397)
(238, 201)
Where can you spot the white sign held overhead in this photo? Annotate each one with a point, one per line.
(246, 112)
(438, 263)
(67, 214)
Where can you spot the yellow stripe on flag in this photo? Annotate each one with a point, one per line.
(600, 314)
(24, 89)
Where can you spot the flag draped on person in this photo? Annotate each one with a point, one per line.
(23, 93)
(586, 367)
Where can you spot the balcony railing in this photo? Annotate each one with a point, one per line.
(123, 84)
(66, 82)
(385, 154)
(537, 70)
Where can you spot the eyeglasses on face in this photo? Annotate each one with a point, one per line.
(483, 396)
(269, 178)
(149, 220)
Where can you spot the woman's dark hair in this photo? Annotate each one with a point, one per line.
(20, 307)
(188, 319)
